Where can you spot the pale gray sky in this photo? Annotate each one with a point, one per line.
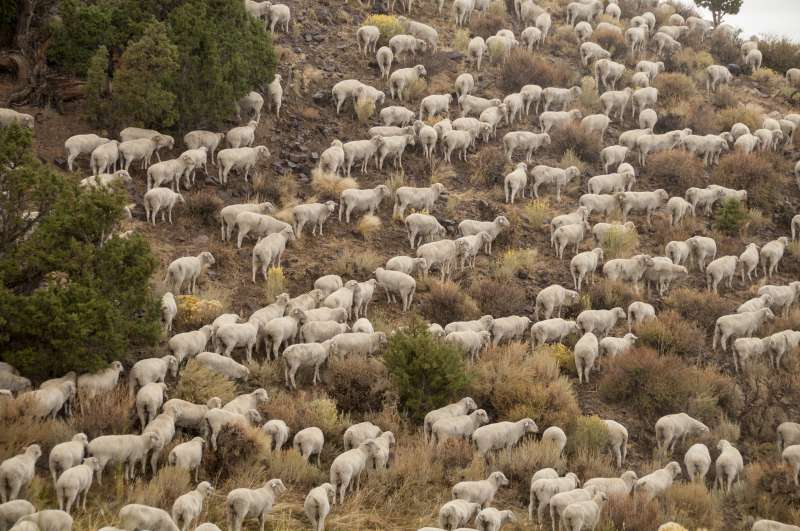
(777, 17)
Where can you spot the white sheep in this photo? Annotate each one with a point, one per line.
(441, 254)
(217, 419)
(552, 330)
(554, 298)
(559, 502)
(697, 461)
(398, 283)
(565, 235)
(269, 250)
(45, 520)
(677, 208)
(10, 116)
(456, 513)
(257, 225)
(319, 331)
(721, 269)
(229, 213)
(304, 355)
(612, 156)
(128, 450)
(525, 140)
(772, 525)
(702, 248)
(317, 505)
(586, 352)
(12, 511)
(585, 263)
(477, 325)
(510, 328)
(739, 325)
(501, 435)
(207, 139)
(188, 455)
(76, 481)
(187, 269)
(656, 483)
(463, 407)
(491, 519)
(241, 158)
(780, 343)
(557, 176)
(308, 442)
(577, 11)
(400, 82)
(347, 468)
(729, 465)
(187, 508)
(756, 303)
(222, 365)
(433, 105)
(544, 488)
(17, 472)
(782, 297)
(457, 426)
(470, 227)
(671, 428)
(245, 402)
(245, 503)
(555, 436)
(621, 486)
(67, 454)
(361, 200)
(142, 149)
(584, 514)
(609, 73)
(149, 399)
(599, 322)
(771, 254)
(558, 119)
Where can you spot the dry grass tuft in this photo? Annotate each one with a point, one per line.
(585, 145)
(693, 505)
(330, 186)
(357, 263)
(674, 171)
(750, 115)
(446, 302)
(606, 293)
(524, 68)
(674, 88)
(619, 243)
(761, 174)
(368, 226)
(197, 384)
(205, 205)
(194, 312)
(672, 334)
(162, 491)
(365, 108)
(357, 383)
(514, 261)
(499, 297)
(699, 306)
(521, 462)
(461, 40)
(275, 285)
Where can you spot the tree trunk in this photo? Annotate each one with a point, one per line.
(30, 56)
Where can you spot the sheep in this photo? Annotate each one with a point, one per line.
(207, 139)
(548, 175)
(677, 208)
(697, 461)
(728, 466)
(621, 486)
(314, 213)
(229, 213)
(278, 433)
(317, 505)
(636, 39)
(721, 269)
(530, 142)
(222, 365)
(602, 232)
(772, 525)
(358, 343)
(348, 467)
(191, 415)
(308, 442)
(609, 73)
(771, 254)
(631, 137)
(363, 326)
(149, 399)
(543, 489)
(599, 322)
(398, 283)
(319, 331)
(560, 501)
(75, 481)
(400, 82)
(580, 215)
(241, 158)
(656, 483)
(442, 254)
(394, 146)
(501, 435)
(465, 406)
(702, 248)
(128, 450)
(566, 235)
(11, 512)
(12, 383)
(470, 227)
(592, 51)
(610, 183)
(106, 181)
(304, 355)
(579, 11)
(104, 153)
(644, 98)
(584, 514)
(433, 105)
(470, 341)
(756, 303)
(188, 455)
(49, 401)
(494, 116)
(422, 226)
(45, 520)
(612, 156)
(187, 508)
(17, 472)
(10, 116)
(187, 269)
(788, 435)
(780, 343)
(739, 325)
(491, 519)
(67, 454)
(782, 297)
(754, 59)
(551, 330)
(456, 513)
(456, 140)
(327, 284)
(586, 351)
(245, 402)
(670, 428)
(555, 436)
(305, 302)
(585, 263)
(638, 312)
(543, 23)
(554, 298)
(664, 42)
(615, 346)
(251, 103)
(530, 37)
(511, 328)
(406, 44)
(216, 419)
(407, 265)
(245, 503)
(157, 198)
(269, 250)
(361, 200)
(739, 129)
(367, 38)
(396, 116)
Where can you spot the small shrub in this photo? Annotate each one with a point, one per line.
(750, 115)
(194, 312)
(570, 158)
(368, 226)
(779, 53)
(701, 118)
(293, 469)
(619, 243)
(674, 88)
(698, 306)
(514, 261)
(724, 48)
(689, 62)
(281, 190)
(759, 174)
(330, 186)
(611, 293)
(628, 512)
(299, 414)
(769, 79)
(724, 98)
(582, 143)
(590, 98)
(590, 434)
(110, 414)
(426, 373)
(388, 25)
(197, 384)
(524, 68)
(489, 167)
(521, 462)
(357, 264)
(446, 302)
(168, 483)
(611, 40)
(357, 383)
(205, 207)
(276, 284)
(731, 217)
(537, 211)
(561, 354)
(670, 334)
(487, 25)
(694, 505)
(728, 430)
(365, 108)
(498, 298)
(461, 40)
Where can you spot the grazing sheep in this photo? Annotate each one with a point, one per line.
(457, 426)
(11, 512)
(457, 513)
(543, 489)
(771, 254)
(621, 486)
(308, 442)
(780, 343)
(217, 419)
(670, 428)
(702, 248)
(187, 508)
(47, 520)
(554, 298)
(639, 311)
(319, 331)
(501, 435)
(187, 269)
(417, 198)
(586, 351)
(314, 213)
(697, 461)
(491, 519)
(398, 283)
(463, 407)
(567, 235)
(347, 468)
(317, 505)
(252, 503)
(471, 342)
(599, 322)
(560, 97)
(530, 142)
(510, 328)
(558, 119)
(739, 325)
(782, 297)
(361, 200)
(556, 436)
(128, 450)
(584, 263)
(304, 355)
(584, 514)
(729, 465)
(772, 525)
(17, 472)
(188, 455)
(245, 402)
(470, 227)
(616, 346)
(656, 483)
(721, 269)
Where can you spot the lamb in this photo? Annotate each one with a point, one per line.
(308, 442)
(128, 450)
(222, 365)
(317, 505)
(739, 325)
(702, 248)
(17, 472)
(107, 181)
(242, 158)
(670, 428)
(656, 483)
(319, 331)
(501, 435)
(586, 351)
(252, 503)
(756, 303)
(615, 346)
(554, 298)
(697, 461)
(400, 83)
(511, 328)
(585, 263)
(729, 465)
(45, 520)
(75, 481)
(470, 227)
(398, 283)
(327, 284)
(471, 342)
(206, 139)
(555, 436)
(188, 455)
(491, 519)
(433, 105)
(599, 321)
(609, 73)
(278, 433)
(395, 146)
(11, 512)
(721, 269)
(456, 513)
(359, 343)
(187, 269)
(304, 355)
(639, 311)
(314, 213)
(348, 467)
(771, 254)
(515, 182)
(217, 419)
(530, 142)
(782, 296)
(548, 175)
(550, 119)
(542, 490)
(269, 250)
(361, 200)
(187, 508)
(584, 514)
(621, 486)
(407, 265)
